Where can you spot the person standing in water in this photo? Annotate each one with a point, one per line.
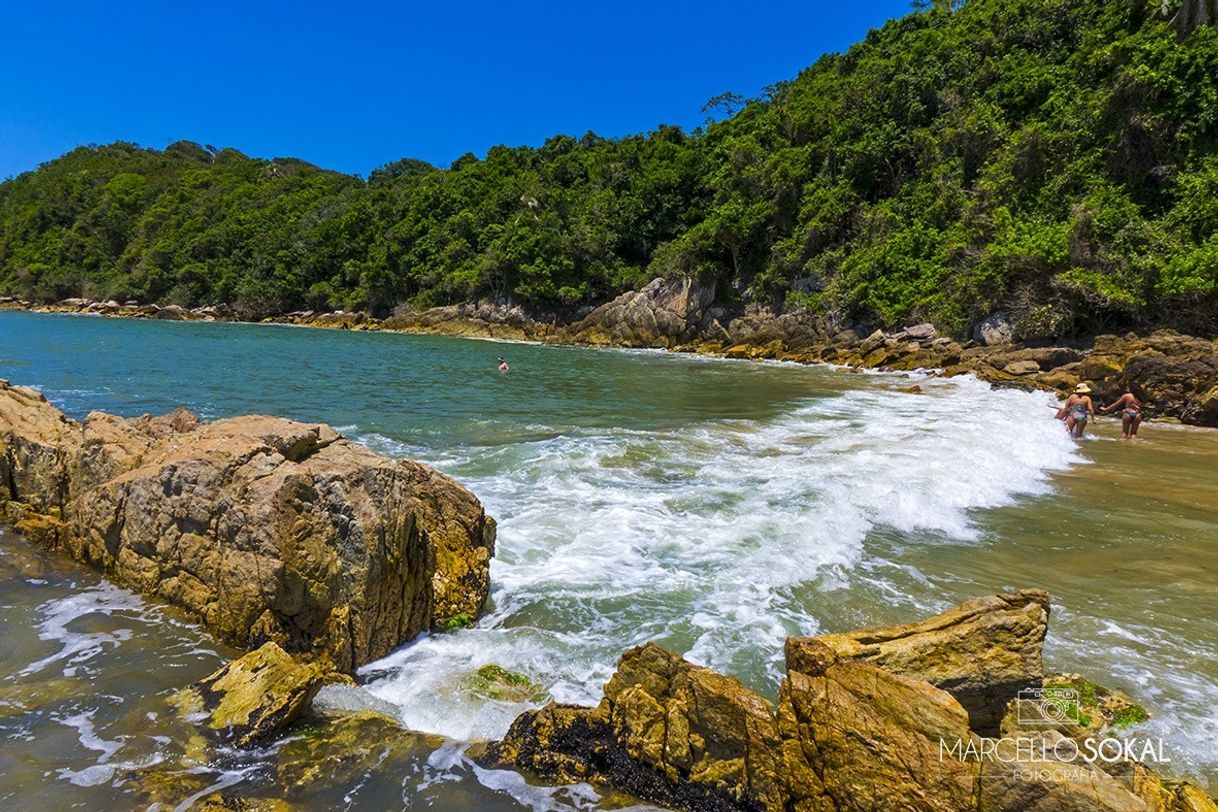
(1131, 403)
(1077, 410)
(503, 365)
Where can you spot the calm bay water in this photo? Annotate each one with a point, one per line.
(713, 506)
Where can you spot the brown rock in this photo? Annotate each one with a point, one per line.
(266, 529)
(922, 332)
(666, 731)
(858, 738)
(34, 442)
(254, 697)
(847, 736)
(663, 313)
(982, 652)
(1021, 368)
(1061, 380)
(1011, 782)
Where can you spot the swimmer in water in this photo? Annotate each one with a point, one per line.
(1077, 410)
(503, 366)
(1131, 403)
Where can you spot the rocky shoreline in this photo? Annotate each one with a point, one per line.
(282, 538)
(1179, 372)
(316, 555)
(928, 716)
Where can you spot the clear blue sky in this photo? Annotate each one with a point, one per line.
(352, 86)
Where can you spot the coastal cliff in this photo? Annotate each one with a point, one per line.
(265, 529)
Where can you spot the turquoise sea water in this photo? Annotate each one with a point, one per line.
(710, 505)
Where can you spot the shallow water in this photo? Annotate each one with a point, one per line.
(710, 505)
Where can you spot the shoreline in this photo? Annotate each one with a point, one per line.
(184, 338)
(1179, 371)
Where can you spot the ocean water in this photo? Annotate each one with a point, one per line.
(712, 506)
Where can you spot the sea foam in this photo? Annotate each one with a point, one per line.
(702, 537)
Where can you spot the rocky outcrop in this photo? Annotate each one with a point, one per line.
(982, 652)
(482, 318)
(666, 731)
(857, 737)
(264, 528)
(663, 313)
(1179, 373)
(849, 732)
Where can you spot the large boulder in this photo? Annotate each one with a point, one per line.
(266, 529)
(993, 329)
(663, 313)
(666, 731)
(982, 652)
(859, 738)
(34, 441)
(847, 736)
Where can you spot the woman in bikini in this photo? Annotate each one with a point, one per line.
(1077, 410)
(1131, 404)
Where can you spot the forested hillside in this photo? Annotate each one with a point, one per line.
(1054, 159)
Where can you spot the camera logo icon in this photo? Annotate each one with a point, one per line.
(1047, 707)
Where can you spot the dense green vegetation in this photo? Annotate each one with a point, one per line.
(1054, 159)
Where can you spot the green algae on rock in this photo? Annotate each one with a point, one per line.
(254, 697)
(336, 751)
(498, 683)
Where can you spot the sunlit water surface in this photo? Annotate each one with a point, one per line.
(713, 506)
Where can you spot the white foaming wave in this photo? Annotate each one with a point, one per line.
(1183, 704)
(100, 771)
(699, 536)
(78, 647)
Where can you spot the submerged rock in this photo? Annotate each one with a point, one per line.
(338, 751)
(17, 698)
(264, 528)
(496, 682)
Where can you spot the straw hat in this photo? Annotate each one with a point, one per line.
(1082, 389)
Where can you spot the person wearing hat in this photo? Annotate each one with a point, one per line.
(1077, 410)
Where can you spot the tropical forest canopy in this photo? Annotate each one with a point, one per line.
(1053, 159)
